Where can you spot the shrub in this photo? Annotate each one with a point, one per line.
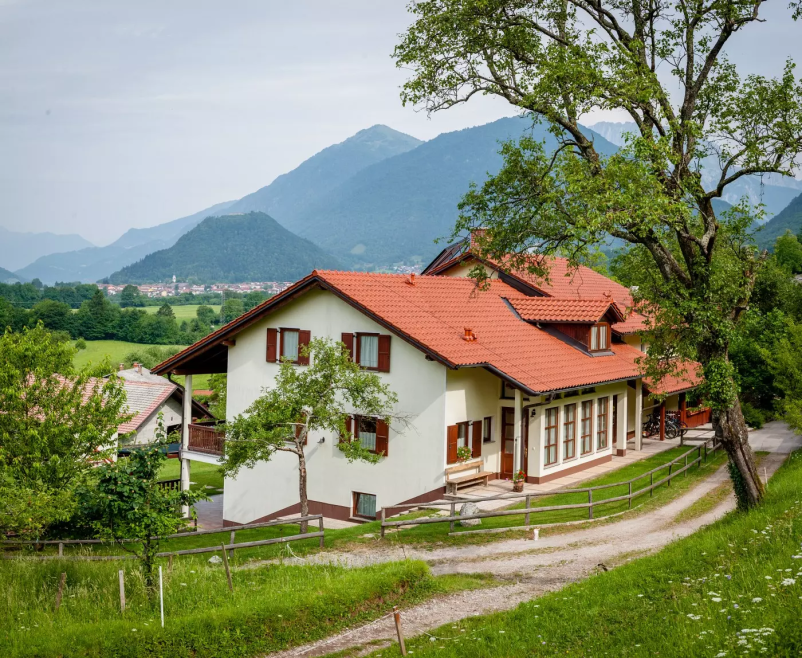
(753, 416)
(80, 344)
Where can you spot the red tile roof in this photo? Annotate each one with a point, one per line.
(689, 378)
(143, 400)
(561, 309)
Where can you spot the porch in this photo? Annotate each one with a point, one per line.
(204, 443)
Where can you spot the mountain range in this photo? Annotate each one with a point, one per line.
(19, 249)
(9, 277)
(789, 219)
(231, 249)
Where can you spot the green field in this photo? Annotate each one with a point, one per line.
(183, 312)
(206, 477)
(116, 350)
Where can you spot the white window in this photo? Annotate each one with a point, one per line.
(369, 350)
(289, 344)
(599, 337)
(462, 435)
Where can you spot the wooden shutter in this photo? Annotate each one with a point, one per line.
(348, 341)
(384, 354)
(476, 439)
(304, 336)
(348, 425)
(452, 435)
(382, 437)
(272, 344)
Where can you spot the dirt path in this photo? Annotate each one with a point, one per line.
(533, 568)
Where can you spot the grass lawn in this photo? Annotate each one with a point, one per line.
(731, 589)
(206, 477)
(271, 608)
(188, 312)
(116, 350)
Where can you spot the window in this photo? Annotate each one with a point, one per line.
(552, 416)
(462, 435)
(366, 433)
(369, 351)
(599, 337)
(487, 429)
(586, 427)
(289, 344)
(507, 391)
(601, 423)
(364, 505)
(569, 431)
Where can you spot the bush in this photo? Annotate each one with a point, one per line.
(753, 416)
(80, 344)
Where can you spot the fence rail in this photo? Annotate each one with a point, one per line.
(702, 451)
(232, 530)
(203, 438)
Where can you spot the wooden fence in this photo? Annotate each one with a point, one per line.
(206, 439)
(702, 451)
(231, 546)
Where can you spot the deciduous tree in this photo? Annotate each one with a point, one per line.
(662, 64)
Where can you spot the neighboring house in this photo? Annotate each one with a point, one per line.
(535, 376)
(149, 395)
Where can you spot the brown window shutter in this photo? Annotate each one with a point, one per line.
(452, 435)
(384, 354)
(348, 426)
(348, 341)
(272, 340)
(476, 439)
(304, 336)
(382, 437)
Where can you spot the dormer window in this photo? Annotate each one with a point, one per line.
(600, 337)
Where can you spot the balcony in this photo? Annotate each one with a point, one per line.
(206, 439)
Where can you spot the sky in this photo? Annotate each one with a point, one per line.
(116, 115)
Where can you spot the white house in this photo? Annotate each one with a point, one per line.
(530, 376)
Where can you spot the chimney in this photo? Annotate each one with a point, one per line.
(139, 368)
(411, 279)
(469, 335)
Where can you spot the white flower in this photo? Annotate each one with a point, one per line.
(694, 617)
(788, 581)
(716, 599)
(768, 577)
(757, 599)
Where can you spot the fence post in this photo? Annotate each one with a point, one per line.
(161, 594)
(528, 505)
(668, 483)
(231, 538)
(228, 571)
(320, 525)
(453, 513)
(651, 485)
(384, 518)
(630, 494)
(60, 549)
(122, 590)
(399, 632)
(170, 563)
(685, 472)
(60, 590)
(590, 503)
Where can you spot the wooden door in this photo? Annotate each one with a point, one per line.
(507, 441)
(615, 423)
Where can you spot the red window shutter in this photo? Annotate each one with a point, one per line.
(272, 344)
(348, 341)
(384, 354)
(348, 426)
(382, 437)
(452, 435)
(476, 439)
(304, 336)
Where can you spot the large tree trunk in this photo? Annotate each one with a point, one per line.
(302, 487)
(731, 430)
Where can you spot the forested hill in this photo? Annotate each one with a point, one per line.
(8, 277)
(789, 219)
(230, 249)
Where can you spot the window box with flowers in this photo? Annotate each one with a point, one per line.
(463, 453)
(518, 480)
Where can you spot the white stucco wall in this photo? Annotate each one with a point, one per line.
(415, 464)
(172, 414)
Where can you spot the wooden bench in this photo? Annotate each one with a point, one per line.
(453, 482)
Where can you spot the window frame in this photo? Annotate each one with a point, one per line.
(466, 426)
(281, 357)
(358, 420)
(569, 440)
(358, 349)
(549, 445)
(594, 329)
(582, 421)
(487, 429)
(355, 509)
(602, 429)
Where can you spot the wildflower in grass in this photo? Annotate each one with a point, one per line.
(757, 599)
(716, 599)
(694, 617)
(788, 581)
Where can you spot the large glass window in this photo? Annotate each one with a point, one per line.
(365, 505)
(586, 427)
(569, 431)
(601, 423)
(462, 435)
(487, 429)
(368, 350)
(367, 433)
(289, 344)
(550, 445)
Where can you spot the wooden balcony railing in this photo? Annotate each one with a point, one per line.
(207, 439)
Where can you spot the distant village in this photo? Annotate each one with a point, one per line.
(178, 288)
